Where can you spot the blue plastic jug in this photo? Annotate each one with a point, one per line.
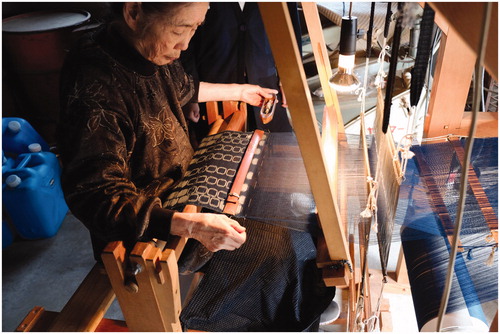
(7, 162)
(18, 134)
(32, 195)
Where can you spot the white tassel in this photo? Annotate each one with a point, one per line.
(370, 206)
(491, 258)
(366, 213)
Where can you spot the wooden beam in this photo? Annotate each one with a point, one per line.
(88, 305)
(33, 318)
(450, 88)
(164, 277)
(289, 63)
(322, 61)
(466, 19)
(212, 112)
(140, 308)
(486, 125)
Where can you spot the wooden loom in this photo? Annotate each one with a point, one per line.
(158, 278)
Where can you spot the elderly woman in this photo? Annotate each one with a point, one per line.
(123, 137)
(124, 145)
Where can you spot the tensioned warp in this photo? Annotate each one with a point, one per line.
(276, 189)
(429, 195)
(271, 283)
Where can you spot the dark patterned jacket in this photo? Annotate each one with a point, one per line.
(123, 138)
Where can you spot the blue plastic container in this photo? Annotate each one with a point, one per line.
(18, 134)
(32, 195)
(7, 162)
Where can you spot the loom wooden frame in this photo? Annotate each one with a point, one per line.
(85, 310)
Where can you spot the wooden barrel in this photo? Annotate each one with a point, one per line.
(36, 45)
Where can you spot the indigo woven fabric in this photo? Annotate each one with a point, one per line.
(271, 283)
(211, 172)
(430, 199)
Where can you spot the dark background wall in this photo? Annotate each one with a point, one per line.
(97, 9)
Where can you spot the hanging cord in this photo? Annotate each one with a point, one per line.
(372, 322)
(391, 78)
(402, 152)
(371, 203)
(466, 164)
(362, 91)
(359, 322)
(418, 75)
(383, 52)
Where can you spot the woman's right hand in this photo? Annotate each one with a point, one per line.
(214, 231)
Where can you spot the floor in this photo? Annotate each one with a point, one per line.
(46, 273)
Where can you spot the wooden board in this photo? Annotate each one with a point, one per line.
(86, 308)
(451, 85)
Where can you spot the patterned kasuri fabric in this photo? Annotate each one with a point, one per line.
(211, 172)
(271, 283)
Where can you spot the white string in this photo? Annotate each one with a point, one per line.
(443, 137)
(371, 202)
(403, 147)
(360, 325)
(379, 79)
(371, 323)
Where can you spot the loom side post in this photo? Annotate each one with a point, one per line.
(288, 61)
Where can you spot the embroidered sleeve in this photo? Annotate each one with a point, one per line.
(97, 137)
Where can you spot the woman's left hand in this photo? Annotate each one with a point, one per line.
(253, 94)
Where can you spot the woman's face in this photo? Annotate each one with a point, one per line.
(165, 41)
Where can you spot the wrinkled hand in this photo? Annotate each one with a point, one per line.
(253, 94)
(214, 231)
(192, 112)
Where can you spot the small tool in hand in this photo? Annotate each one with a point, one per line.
(267, 109)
